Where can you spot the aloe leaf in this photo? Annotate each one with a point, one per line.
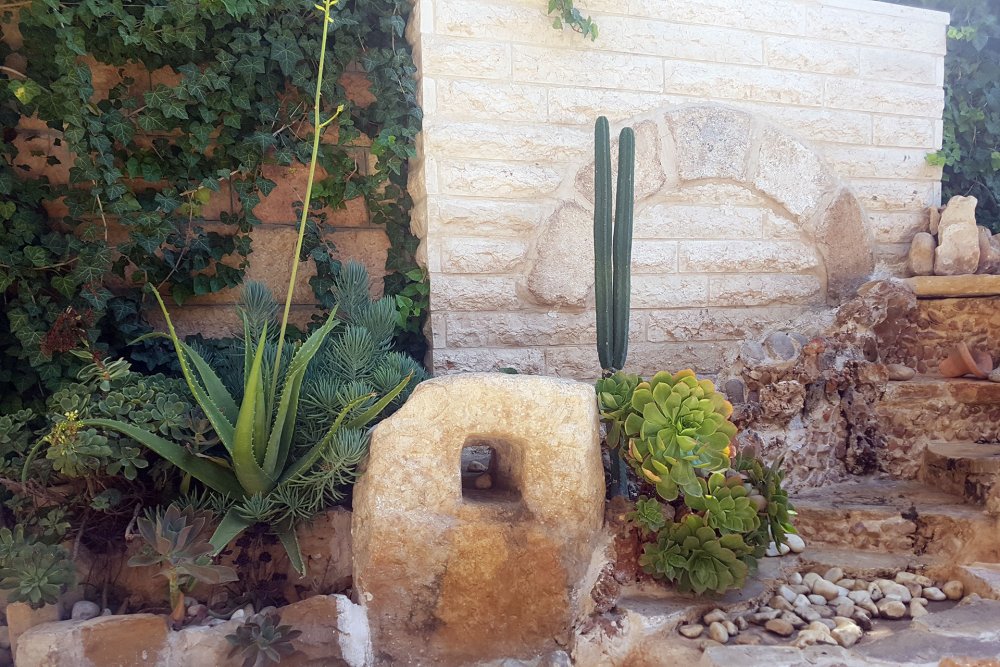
(253, 478)
(306, 462)
(231, 525)
(291, 543)
(209, 473)
(280, 441)
(223, 427)
(371, 413)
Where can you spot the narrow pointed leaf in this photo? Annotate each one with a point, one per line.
(231, 525)
(371, 413)
(205, 470)
(304, 463)
(248, 471)
(291, 543)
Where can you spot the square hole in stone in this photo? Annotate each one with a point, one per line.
(491, 469)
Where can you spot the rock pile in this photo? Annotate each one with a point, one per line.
(955, 245)
(828, 608)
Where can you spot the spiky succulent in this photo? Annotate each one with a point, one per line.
(726, 504)
(695, 556)
(679, 425)
(614, 396)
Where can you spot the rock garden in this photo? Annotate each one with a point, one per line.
(220, 440)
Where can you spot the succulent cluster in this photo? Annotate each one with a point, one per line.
(726, 505)
(32, 571)
(695, 556)
(769, 496)
(262, 641)
(678, 425)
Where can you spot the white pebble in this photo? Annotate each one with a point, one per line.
(802, 601)
(795, 578)
(692, 631)
(795, 543)
(934, 593)
(834, 574)
(717, 631)
(84, 610)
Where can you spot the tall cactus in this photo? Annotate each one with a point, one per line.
(613, 244)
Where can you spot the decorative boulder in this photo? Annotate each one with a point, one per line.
(958, 238)
(921, 257)
(453, 573)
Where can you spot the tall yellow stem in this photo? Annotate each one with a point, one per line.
(317, 133)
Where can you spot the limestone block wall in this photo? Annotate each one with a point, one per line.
(780, 160)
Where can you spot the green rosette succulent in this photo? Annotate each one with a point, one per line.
(679, 424)
(614, 396)
(648, 515)
(697, 558)
(726, 505)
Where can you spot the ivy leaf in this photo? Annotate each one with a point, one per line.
(152, 121)
(65, 285)
(286, 52)
(118, 127)
(174, 108)
(37, 255)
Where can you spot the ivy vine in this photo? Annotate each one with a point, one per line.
(225, 97)
(566, 14)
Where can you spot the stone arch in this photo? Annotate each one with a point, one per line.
(711, 144)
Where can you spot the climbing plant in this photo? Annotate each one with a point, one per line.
(567, 14)
(970, 153)
(204, 96)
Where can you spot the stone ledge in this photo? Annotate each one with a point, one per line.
(943, 287)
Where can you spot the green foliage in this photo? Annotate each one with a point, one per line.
(725, 504)
(261, 641)
(971, 148)
(771, 498)
(697, 557)
(568, 15)
(614, 397)
(34, 572)
(140, 162)
(174, 542)
(679, 425)
(648, 515)
(613, 244)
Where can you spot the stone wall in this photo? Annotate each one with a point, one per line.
(780, 159)
(349, 229)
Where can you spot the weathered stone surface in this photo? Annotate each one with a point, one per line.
(487, 574)
(921, 257)
(649, 173)
(958, 238)
(793, 174)
(845, 243)
(563, 272)
(937, 287)
(989, 252)
(21, 618)
(710, 142)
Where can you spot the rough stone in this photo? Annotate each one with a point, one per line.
(714, 616)
(826, 589)
(916, 609)
(933, 219)
(892, 609)
(958, 238)
(900, 372)
(649, 174)
(814, 599)
(921, 257)
(21, 618)
(845, 242)
(816, 632)
(833, 575)
(847, 634)
(989, 252)
(711, 142)
(553, 280)
(934, 593)
(470, 593)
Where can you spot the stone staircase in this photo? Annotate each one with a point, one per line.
(937, 504)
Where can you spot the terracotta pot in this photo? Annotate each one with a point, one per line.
(962, 362)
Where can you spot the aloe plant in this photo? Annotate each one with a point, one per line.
(257, 434)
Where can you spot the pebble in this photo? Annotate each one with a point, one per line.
(778, 602)
(920, 601)
(84, 610)
(809, 614)
(824, 611)
(899, 372)
(845, 609)
(747, 640)
(774, 550)
(893, 591)
(859, 596)
(105, 612)
(847, 634)
(892, 609)
(762, 617)
(238, 615)
(934, 593)
(742, 623)
(780, 627)
(869, 606)
(196, 609)
(994, 375)
(862, 618)
(801, 589)
(814, 633)
(953, 590)
(917, 610)
(802, 601)
(825, 588)
(795, 579)
(817, 599)
(787, 593)
(794, 619)
(717, 631)
(795, 543)
(558, 659)
(731, 628)
(847, 583)
(834, 574)
(810, 579)
(915, 589)
(714, 616)
(692, 631)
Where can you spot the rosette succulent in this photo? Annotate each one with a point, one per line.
(726, 504)
(696, 557)
(614, 396)
(679, 424)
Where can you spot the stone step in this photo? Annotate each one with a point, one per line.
(967, 469)
(983, 579)
(898, 517)
(928, 408)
